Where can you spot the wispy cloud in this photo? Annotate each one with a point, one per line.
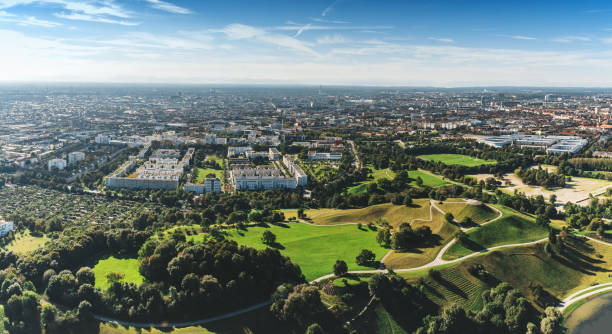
(302, 29)
(168, 7)
(329, 8)
(332, 39)
(524, 38)
(320, 20)
(443, 40)
(106, 11)
(241, 31)
(26, 20)
(292, 26)
(93, 18)
(568, 39)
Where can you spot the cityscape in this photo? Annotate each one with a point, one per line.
(343, 167)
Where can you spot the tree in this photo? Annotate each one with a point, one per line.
(419, 181)
(114, 277)
(542, 220)
(449, 217)
(383, 236)
(551, 324)
(553, 199)
(407, 200)
(365, 258)
(340, 268)
(315, 329)
(461, 236)
(86, 275)
(268, 237)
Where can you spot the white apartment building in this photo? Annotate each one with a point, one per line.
(57, 163)
(74, 157)
(6, 227)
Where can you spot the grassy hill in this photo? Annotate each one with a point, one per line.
(479, 213)
(394, 214)
(443, 233)
(128, 267)
(513, 227)
(315, 248)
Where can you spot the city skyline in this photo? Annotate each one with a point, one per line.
(421, 43)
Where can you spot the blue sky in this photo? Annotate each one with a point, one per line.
(354, 42)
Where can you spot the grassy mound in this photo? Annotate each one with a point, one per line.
(315, 248)
(456, 159)
(479, 213)
(442, 234)
(512, 228)
(394, 214)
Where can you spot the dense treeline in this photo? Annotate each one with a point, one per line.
(589, 164)
(505, 310)
(540, 177)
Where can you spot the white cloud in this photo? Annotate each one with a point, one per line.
(332, 39)
(93, 18)
(106, 11)
(568, 39)
(329, 8)
(238, 31)
(168, 7)
(524, 38)
(27, 20)
(443, 40)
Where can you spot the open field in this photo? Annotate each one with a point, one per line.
(315, 248)
(578, 189)
(377, 174)
(25, 243)
(128, 267)
(202, 172)
(456, 159)
(443, 233)
(513, 227)
(429, 179)
(479, 213)
(394, 214)
(215, 158)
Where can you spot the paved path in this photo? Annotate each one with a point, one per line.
(576, 296)
(183, 324)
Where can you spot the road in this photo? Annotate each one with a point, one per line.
(357, 162)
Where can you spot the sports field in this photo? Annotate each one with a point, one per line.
(456, 159)
(315, 248)
(128, 267)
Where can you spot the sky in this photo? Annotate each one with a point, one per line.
(451, 43)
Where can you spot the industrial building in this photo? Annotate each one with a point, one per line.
(552, 144)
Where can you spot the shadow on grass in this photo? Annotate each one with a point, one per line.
(276, 245)
(472, 245)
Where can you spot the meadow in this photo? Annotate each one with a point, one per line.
(128, 267)
(314, 248)
(456, 159)
(513, 227)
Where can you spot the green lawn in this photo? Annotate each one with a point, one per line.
(377, 174)
(429, 180)
(202, 172)
(25, 243)
(512, 228)
(315, 248)
(456, 159)
(128, 267)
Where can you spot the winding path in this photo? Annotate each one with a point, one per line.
(577, 296)
(438, 261)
